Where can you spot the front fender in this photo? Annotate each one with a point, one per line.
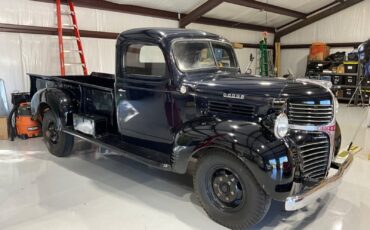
(268, 158)
(59, 101)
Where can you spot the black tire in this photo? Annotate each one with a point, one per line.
(245, 210)
(58, 143)
(338, 139)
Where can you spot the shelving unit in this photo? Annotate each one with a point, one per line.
(338, 74)
(337, 87)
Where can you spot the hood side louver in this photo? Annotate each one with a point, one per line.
(231, 108)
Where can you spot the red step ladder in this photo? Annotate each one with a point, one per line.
(76, 37)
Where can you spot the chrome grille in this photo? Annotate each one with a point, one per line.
(315, 155)
(309, 114)
(230, 108)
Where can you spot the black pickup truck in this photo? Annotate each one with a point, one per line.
(179, 96)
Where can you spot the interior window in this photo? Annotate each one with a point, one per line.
(223, 56)
(143, 59)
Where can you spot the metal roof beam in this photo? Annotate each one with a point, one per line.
(131, 9)
(199, 12)
(268, 8)
(235, 25)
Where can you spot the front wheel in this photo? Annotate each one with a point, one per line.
(337, 139)
(228, 191)
(58, 143)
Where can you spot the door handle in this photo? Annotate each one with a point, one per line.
(121, 90)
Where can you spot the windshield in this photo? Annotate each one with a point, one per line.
(194, 55)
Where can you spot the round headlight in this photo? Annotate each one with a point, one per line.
(281, 126)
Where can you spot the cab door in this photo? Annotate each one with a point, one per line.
(143, 98)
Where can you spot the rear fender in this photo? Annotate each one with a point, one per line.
(59, 101)
(268, 158)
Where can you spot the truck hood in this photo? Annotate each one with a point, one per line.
(216, 85)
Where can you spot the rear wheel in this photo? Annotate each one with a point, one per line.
(58, 143)
(228, 191)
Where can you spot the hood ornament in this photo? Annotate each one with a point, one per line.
(234, 95)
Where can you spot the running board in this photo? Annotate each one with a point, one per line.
(131, 156)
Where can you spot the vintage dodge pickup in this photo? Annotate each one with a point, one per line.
(179, 96)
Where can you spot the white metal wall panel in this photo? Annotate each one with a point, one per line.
(107, 55)
(11, 62)
(243, 58)
(117, 22)
(26, 12)
(350, 25)
(294, 61)
(234, 35)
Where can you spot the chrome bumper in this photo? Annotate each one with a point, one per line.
(298, 201)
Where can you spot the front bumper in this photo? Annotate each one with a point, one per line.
(306, 197)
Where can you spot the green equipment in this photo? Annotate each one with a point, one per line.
(264, 66)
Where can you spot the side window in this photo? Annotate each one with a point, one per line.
(143, 59)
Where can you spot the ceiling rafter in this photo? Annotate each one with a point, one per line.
(199, 12)
(131, 9)
(316, 17)
(267, 7)
(235, 25)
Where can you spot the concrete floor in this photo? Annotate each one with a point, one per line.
(93, 191)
